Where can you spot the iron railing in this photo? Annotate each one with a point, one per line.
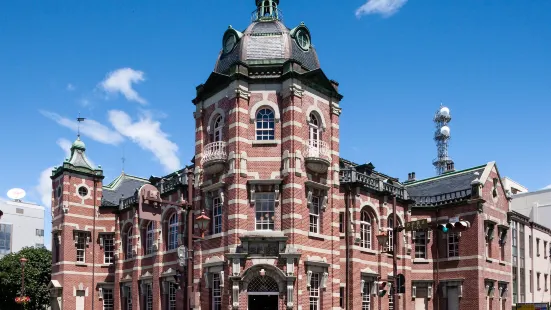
(353, 176)
(442, 198)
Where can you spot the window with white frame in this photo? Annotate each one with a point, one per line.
(453, 244)
(148, 296)
(149, 237)
(129, 252)
(365, 230)
(315, 291)
(216, 215)
(171, 296)
(108, 300)
(265, 211)
(265, 125)
(315, 132)
(81, 247)
(218, 124)
(390, 231)
(420, 244)
(216, 292)
(173, 232)
(315, 215)
(108, 248)
(366, 296)
(391, 297)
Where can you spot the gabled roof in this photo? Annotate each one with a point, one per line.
(123, 186)
(446, 188)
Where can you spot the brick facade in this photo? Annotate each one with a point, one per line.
(268, 173)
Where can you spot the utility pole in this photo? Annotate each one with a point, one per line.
(189, 284)
(394, 256)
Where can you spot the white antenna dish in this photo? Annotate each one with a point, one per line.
(445, 111)
(445, 131)
(16, 193)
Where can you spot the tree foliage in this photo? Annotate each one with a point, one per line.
(37, 277)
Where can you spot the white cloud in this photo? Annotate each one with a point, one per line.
(44, 188)
(121, 80)
(89, 128)
(70, 87)
(147, 133)
(65, 145)
(547, 187)
(385, 8)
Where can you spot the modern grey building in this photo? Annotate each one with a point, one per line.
(22, 225)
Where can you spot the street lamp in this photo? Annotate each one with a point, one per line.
(23, 261)
(202, 223)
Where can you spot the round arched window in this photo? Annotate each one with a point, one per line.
(82, 191)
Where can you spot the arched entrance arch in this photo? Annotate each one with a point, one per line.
(263, 285)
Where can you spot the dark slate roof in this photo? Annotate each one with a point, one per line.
(123, 186)
(443, 189)
(267, 41)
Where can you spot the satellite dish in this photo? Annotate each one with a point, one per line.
(445, 111)
(16, 193)
(445, 131)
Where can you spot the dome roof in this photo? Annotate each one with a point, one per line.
(267, 42)
(78, 144)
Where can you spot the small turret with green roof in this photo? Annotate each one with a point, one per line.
(78, 162)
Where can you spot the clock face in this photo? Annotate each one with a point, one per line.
(303, 39)
(229, 43)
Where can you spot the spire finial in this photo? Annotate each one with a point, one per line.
(79, 120)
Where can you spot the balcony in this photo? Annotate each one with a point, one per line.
(214, 157)
(317, 156)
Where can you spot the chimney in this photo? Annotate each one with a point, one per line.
(411, 177)
(450, 167)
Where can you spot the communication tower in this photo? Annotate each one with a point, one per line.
(443, 163)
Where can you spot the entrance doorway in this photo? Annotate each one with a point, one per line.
(263, 294)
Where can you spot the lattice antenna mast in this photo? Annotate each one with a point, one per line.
(443, 163)
(79, 120)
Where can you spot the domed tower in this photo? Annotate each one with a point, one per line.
(76, 198)
(266, 165)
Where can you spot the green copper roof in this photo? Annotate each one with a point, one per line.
(78, 144)
(445, 175)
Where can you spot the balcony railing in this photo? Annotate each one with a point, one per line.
(352, 176)
(442, 198)
(317, 149)
(214, 152)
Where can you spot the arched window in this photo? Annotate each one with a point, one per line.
(217, 126)
(390, 231)
(173, 232)
(365, 230)
(265, 125)
(129, 252)
(149, 237)
(315, 133)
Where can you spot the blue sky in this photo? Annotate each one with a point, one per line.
(132, 68)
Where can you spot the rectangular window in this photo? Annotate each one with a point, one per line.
(216, 215)
(315, 215)
(19, 211)
(341, 222)
(216, 292)
(108, 301)
(453, 245)
(129, 298)
(56, 247)
(515, 285)
(315, 291)
(341, 297)
(531, 284)
(149, 296)
(421, 244)
(545, 282)
(81, 247)
(522, 286)
(265, 125)
(5, 239)
(530, 246)
(538, 281)
(171, 296)
(538, 246)
(265, 211)
(545, 249)
(108, 249)
(366, 296)
(40, 232)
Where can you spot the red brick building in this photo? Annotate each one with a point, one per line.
(291, 225)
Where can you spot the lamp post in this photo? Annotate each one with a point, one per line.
(202, 223)
(22, 261)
